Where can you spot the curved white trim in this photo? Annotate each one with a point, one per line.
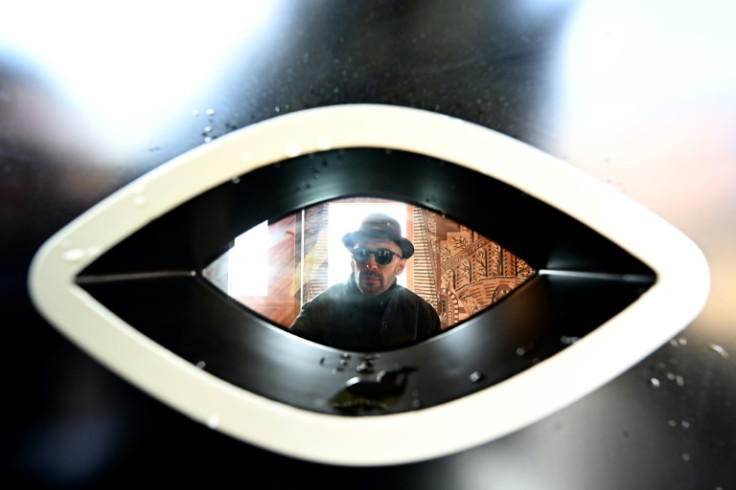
(677, 297)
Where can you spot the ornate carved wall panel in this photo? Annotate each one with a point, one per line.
(466, 271)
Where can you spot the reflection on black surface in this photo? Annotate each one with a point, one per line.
(362, 396)
(276, 267)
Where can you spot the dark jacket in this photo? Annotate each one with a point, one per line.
(344, 318)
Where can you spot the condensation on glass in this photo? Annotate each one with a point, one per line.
(277, 266)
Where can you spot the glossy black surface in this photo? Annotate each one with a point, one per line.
(194, 234)
(640, 95)
(193, 320)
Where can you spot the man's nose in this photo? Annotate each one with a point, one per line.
(371, 264)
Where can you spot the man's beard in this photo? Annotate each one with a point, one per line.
(370, 286)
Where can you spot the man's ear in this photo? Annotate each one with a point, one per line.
(400, 266)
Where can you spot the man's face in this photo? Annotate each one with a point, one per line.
(371, 277)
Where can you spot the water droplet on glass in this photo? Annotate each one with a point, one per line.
(679, 380)
(201, 364)
(672, 423)
(568, 340)
(682, 341)
(685, 457)
(719, 350)
(207, 139)
(277, 109)
(236, 180)
(671, 376)
(524, 350)
(213, 422)
(685, 424)
(74, 255)
(654, 382)
(210, 112)
(337, 370)
(416, 403)
(613, 181)
(674, 343)
(207, 129)
(364, 367)
(345, 355)
(475, 376)
(195, 112)
(292, 151)
(343, 362)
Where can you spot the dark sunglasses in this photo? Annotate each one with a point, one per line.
(383, 255)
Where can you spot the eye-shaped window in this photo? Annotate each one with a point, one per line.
(152, 281)
(601, 283)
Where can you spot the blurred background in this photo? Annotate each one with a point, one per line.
(641, 95)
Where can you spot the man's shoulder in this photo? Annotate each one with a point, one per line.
(334, 292)
(409, 301)
(409, 295)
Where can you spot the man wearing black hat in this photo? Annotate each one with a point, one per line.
(370, 311)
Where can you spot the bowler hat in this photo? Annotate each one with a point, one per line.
(379, 225)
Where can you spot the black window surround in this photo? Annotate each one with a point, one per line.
(123, 282)
(585, 279)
